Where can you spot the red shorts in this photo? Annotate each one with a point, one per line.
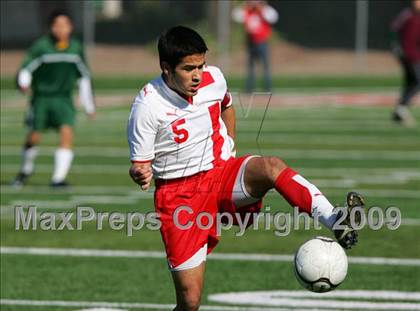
(184, 199)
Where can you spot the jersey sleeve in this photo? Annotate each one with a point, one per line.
(227, 100)
(270, 14)
(86, 94)
(223, 88)
(85, 83)
(82, 66)
(141, 131)
(238, 14)
(31, 61)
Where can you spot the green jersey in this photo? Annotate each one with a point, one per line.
(52, 72)
(55, 71)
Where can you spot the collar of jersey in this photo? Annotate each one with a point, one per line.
(188, 99)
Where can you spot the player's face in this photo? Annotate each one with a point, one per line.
(416, 5)
(186, 77)
(61, 28)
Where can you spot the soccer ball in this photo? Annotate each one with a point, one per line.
(320, 264)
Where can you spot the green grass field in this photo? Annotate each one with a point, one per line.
(339, 148)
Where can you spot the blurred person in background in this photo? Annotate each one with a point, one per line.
(257, 18)
(407, 27)
(51, 68)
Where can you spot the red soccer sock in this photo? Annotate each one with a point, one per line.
(296, 193)
(306, 196)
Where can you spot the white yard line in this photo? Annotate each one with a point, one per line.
(383, 300)
(214, 256)
(128, 305)
(367, 175)
(50, 204)
(361, 294)
(90, 190)
(333, 154)
(76, 168)
(333, 189)
(106, 189)
(346, 178)
(321, 172)
(410, 222)
(263, 300)
(75, 201)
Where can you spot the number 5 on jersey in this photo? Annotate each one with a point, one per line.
(181, 134)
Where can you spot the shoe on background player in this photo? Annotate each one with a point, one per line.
(403, 115)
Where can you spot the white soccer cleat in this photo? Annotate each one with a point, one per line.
(403, 115)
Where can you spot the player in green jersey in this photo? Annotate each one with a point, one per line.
(51, 68)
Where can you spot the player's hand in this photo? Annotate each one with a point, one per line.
(92, 115)
(24, 90)
(141, 173)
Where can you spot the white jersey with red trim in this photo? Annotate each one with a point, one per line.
(179, 137)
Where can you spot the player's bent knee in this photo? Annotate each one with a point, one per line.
(276, 166)
(32, 139)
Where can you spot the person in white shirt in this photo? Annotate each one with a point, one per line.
(181, 132)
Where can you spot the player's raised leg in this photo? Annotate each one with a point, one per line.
(265, 173)
(188, 286)
(29, 153)
(63, 157)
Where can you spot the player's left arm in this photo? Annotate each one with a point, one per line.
(228, 114)
(410, 41)
(229, 118)
(85, 87)
(269, 14)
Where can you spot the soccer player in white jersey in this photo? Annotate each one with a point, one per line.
(181, 131)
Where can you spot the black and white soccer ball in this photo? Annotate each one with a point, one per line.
(320, 264)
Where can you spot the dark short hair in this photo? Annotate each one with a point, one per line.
(56, 13)
(178, 42)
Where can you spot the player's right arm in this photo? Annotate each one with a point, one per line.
(141, 133)
(30, 63)
(238, 14)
